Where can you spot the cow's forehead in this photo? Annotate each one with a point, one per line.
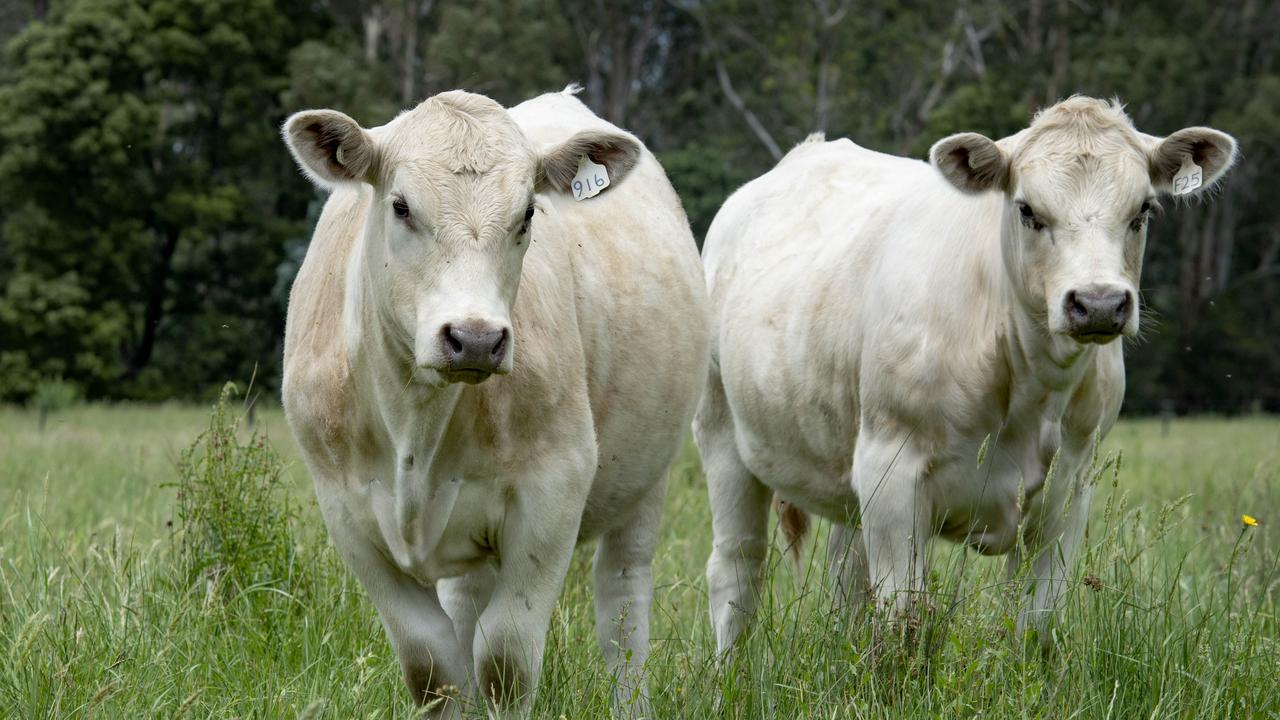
(1082, 146)
(456, 133)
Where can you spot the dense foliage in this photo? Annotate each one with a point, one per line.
(150, 218)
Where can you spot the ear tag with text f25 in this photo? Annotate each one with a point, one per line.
(1189, 178)
(591, 179)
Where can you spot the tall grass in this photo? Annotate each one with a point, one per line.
(241, 608)
(233, 511)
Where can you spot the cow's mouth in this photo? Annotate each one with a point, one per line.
(1095, 338)
(469, 376)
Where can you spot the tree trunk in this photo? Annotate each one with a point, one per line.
(753, 122)
(372, 22)
(409, 55)
(140, 357)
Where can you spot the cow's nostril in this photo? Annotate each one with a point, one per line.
(500, 346)
(1075, 308)
(451, 340)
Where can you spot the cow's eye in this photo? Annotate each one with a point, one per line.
(400, 208)
(528, 218)
(1141, 218)
(1028, 217)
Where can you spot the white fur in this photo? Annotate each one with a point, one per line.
(874, 323)
(458, 506)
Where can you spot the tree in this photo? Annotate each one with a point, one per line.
(140, 174)
(150, 219)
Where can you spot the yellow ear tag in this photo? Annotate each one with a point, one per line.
(591, 180)
(1189, 178)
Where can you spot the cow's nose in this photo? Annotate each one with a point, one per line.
(473, 346)
(1097, 312)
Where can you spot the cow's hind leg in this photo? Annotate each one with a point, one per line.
(847, 568)
(739, 519)
(624, 594)
(464, 599)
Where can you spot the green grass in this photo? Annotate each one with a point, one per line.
(103, 613)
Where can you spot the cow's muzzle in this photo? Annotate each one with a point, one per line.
(1098, 313)
(471, 351)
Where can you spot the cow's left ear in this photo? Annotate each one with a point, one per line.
(619, 153)
(971, 162)
(1212, 150)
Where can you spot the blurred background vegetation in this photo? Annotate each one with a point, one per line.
(151, 219)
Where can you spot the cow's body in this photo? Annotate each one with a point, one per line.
(572, 445)
(922, 348)
(867, 341)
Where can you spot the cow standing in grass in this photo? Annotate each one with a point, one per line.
(464, 436)
(876, 322)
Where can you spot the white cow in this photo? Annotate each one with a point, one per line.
(876, 320)
(464, 437)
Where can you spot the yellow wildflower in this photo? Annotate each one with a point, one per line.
(1249, 520)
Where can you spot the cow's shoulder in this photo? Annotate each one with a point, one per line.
(318, 381)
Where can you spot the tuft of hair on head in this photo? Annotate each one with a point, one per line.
(1088, 123)
(572, 88)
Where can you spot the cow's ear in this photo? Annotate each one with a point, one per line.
(619, 153)
(1212, 150)
(971, 162)
(331, 147)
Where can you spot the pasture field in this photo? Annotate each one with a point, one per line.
(109, 611)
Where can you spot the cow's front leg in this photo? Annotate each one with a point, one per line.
(896, 517)
(540, 529)
(1051, 540)
(624, 593)
(431, 660)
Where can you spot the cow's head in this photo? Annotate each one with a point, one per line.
(1080, 184)
(454, 183)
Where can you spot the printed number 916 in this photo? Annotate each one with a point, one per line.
(583, 186)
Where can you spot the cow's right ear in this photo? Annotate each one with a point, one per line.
(331, 147)
(971, 162)
(618, 152)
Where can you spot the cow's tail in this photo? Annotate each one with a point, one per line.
(794, 523)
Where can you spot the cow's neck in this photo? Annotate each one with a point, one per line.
(1056, 364)
(1045, 370)
(412, 499)
(381, 356)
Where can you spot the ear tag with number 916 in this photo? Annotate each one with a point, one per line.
(591, 179)
(1189, 178)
